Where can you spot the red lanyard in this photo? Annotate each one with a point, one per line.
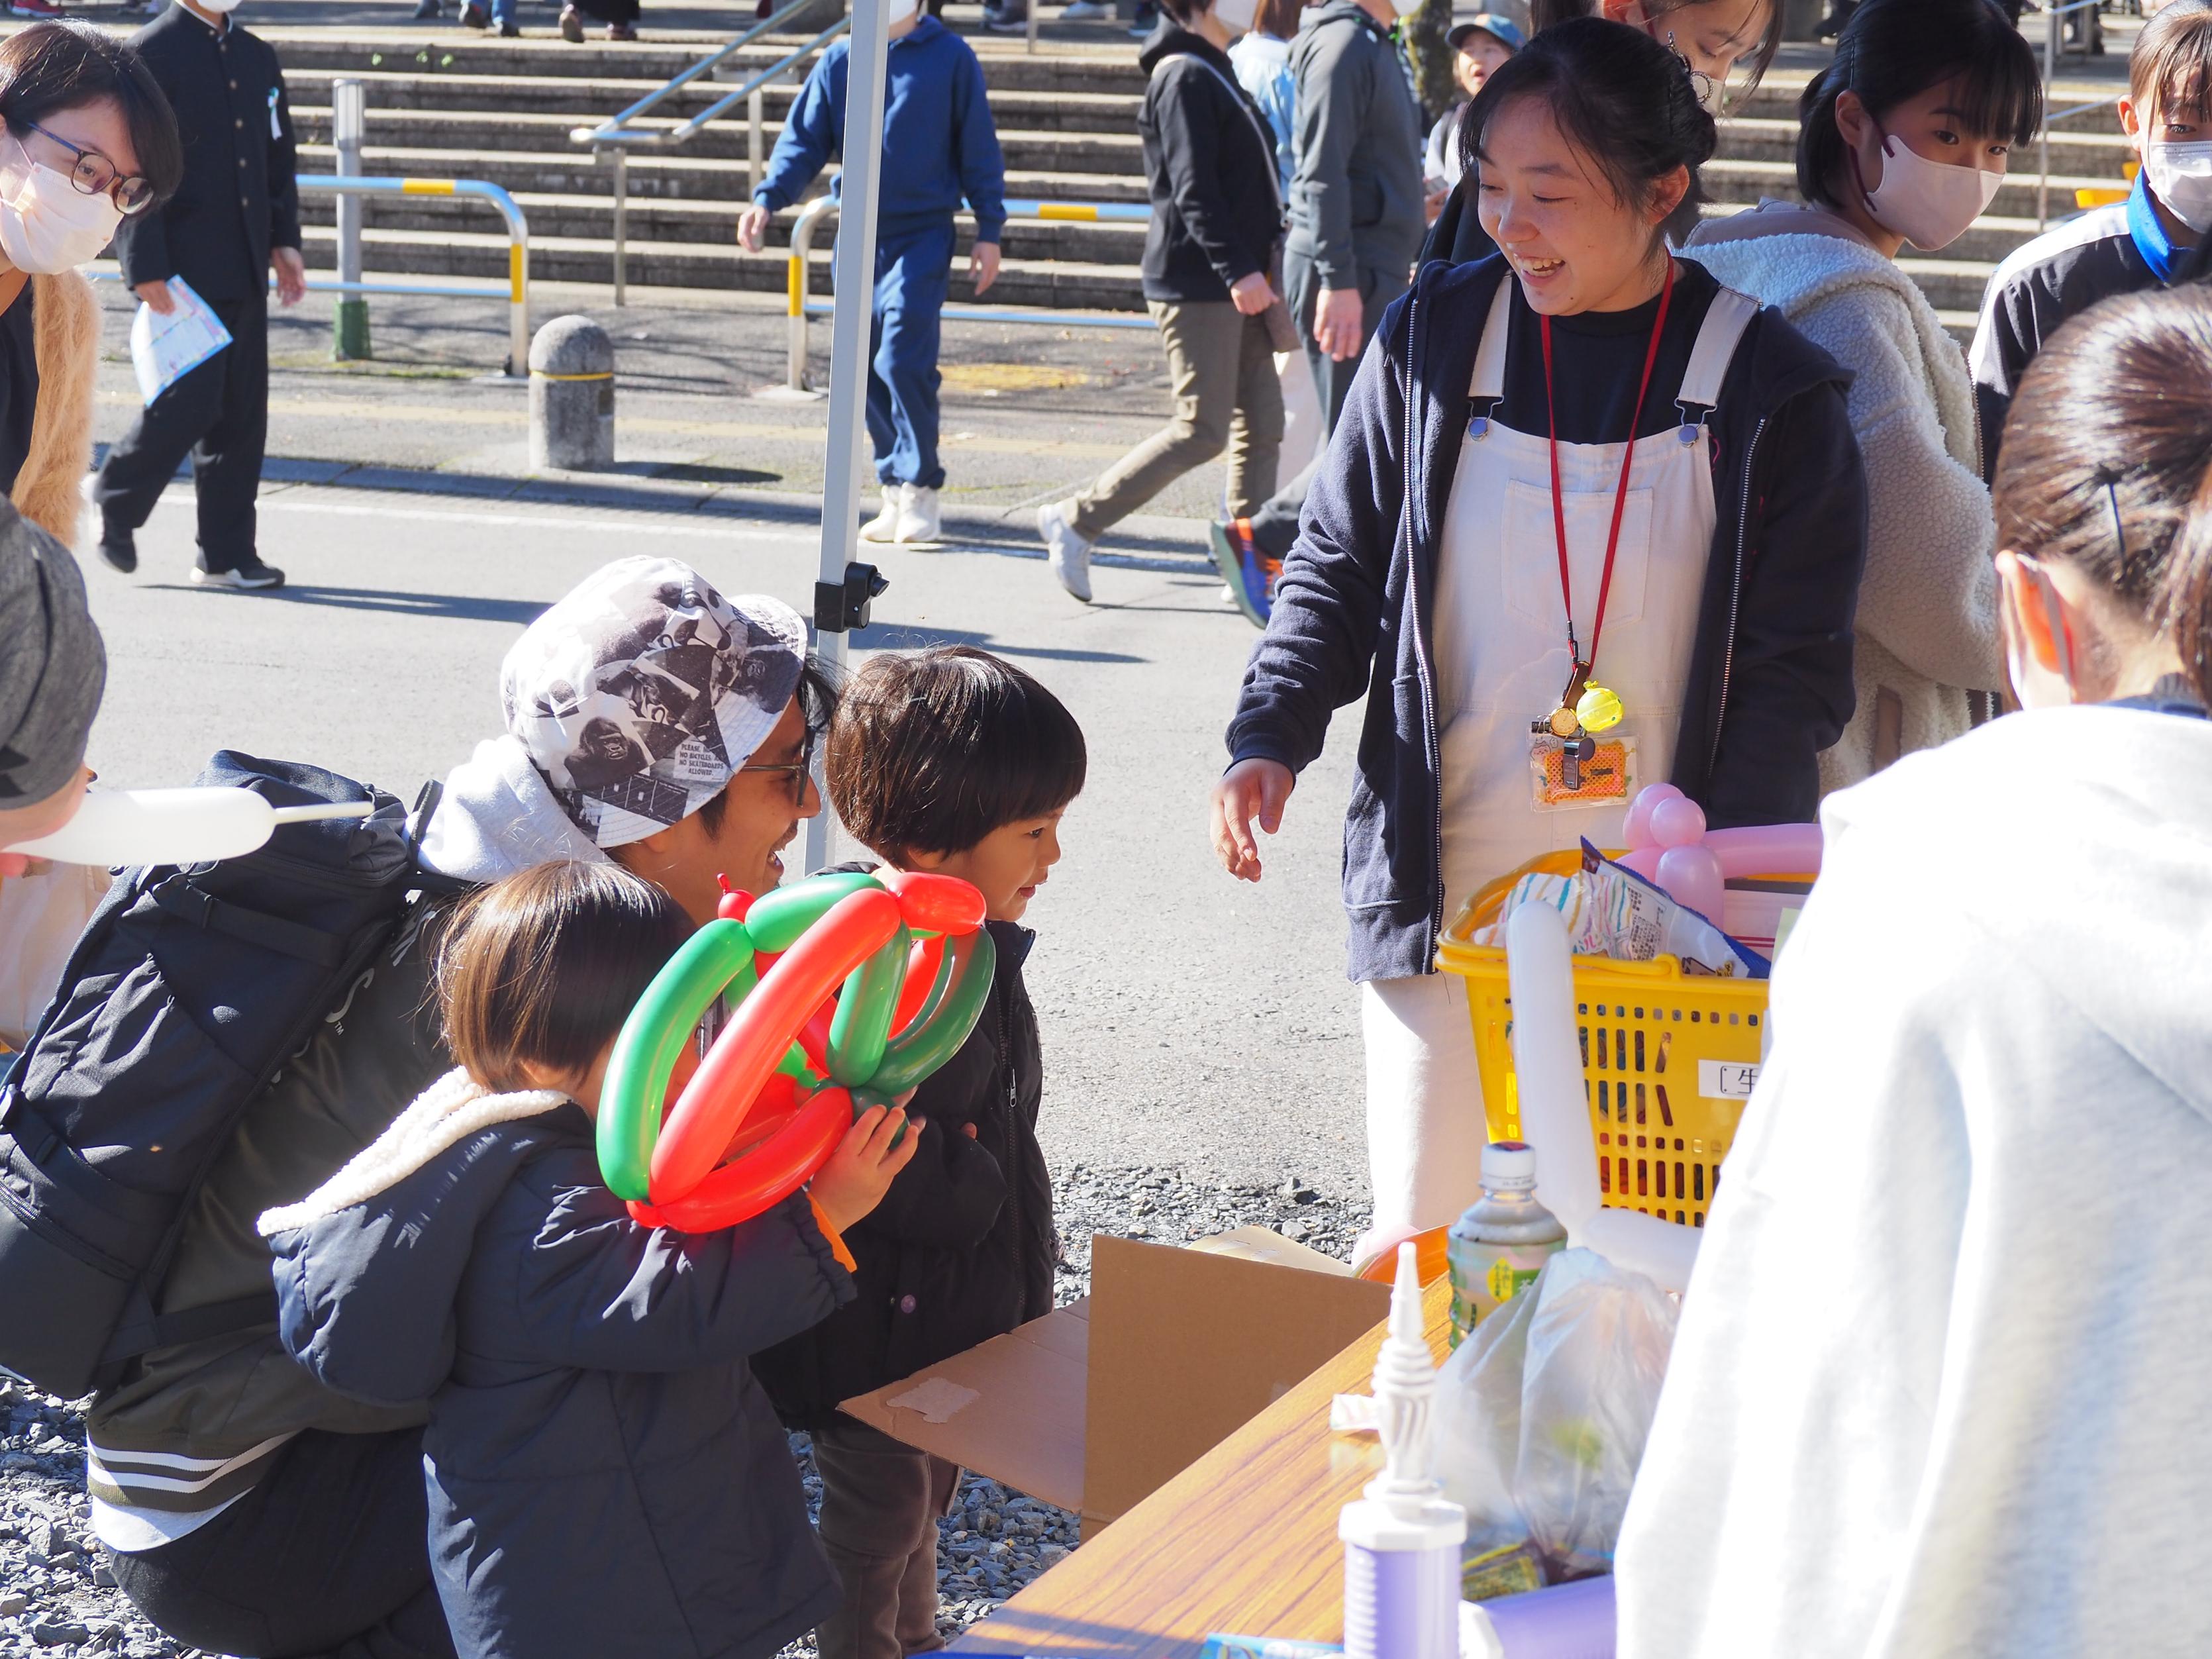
(1582, 665)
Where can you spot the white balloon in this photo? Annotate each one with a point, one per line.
(172, 826)
(1547, 1063)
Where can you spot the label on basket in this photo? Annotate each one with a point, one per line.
(1726, 1079)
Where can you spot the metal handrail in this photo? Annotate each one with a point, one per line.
(615, 136)
(518, 248)
(2053, 32)
(798, 306)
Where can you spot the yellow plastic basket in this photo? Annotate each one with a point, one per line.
(1669, 1058)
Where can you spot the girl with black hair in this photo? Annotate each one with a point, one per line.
(1905, 137)
(90, 140)
(1578, 466)
(2157, 238)
(1938, 1387)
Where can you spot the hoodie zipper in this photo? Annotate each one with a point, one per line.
(1421, 652)
(1736, 601)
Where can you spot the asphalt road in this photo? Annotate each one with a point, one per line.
(1189, 1021)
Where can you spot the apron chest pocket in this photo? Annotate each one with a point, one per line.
(1530, 568)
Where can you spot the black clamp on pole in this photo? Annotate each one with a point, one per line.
(840, 607)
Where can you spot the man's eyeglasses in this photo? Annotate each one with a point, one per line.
(95, 175)
(795, 772)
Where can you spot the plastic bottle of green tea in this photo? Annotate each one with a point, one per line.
(1499, 1246)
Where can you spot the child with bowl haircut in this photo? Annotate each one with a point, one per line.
(952, 761)
(604, 1477)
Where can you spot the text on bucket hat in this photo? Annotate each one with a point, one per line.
(641, 691)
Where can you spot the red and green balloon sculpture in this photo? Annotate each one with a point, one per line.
(844, 991)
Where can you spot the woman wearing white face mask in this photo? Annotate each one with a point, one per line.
(1903, 137)
(1209, 263)
(1938, 1377)
(2151, 240)
(88, 138)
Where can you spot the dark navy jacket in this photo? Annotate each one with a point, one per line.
(605, 1477)
(938, 141)
(961, 1248)
(1770, 675)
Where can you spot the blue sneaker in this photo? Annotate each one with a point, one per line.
(1249, 574)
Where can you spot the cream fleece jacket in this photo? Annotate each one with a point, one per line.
(1938, 1390)
(1927, 629)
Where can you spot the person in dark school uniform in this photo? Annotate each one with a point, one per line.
(239, 147)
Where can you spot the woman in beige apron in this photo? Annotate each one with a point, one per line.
(1579, 465)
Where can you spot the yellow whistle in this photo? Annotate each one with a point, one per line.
(1598, 710)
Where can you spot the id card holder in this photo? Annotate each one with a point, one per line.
(1606, 776)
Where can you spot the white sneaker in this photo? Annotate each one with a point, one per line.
(1069, 554)
(883, 527)
(1084, 11)
(920, 520)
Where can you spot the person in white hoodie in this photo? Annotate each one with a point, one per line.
(1903, 137)
(244, 1506)
(1938, 1384)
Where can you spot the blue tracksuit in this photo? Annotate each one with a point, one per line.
(938, 146)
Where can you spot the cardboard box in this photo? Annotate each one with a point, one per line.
(1095, 1406)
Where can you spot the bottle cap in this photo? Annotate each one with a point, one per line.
(1509, 1166)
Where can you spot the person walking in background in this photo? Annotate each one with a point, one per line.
(491, 13)
(1904, 137)
(1479, 47)
(1261, 58)
(2149, 240)
(239, 147)
(940, 146)
(619, 15)
(1217, 223)
(1356, 223)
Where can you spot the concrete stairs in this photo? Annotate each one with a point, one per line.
(445, 104)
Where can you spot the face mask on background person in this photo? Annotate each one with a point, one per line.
(46, 224)
(1404, 8)
(1930, 204)
(221, 7)
(1238, 16)
(900, 10)
(2181, 177)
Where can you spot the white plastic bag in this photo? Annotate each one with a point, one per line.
(1543, 1413)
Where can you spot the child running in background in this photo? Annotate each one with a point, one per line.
(939, 145)
(604, 1476)
(950, 761)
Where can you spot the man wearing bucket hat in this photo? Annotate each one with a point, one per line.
(245, 1509)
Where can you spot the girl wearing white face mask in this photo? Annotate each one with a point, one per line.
(88, 137)
(1937, 1379)
(1903, 137)
(1210, 261)
(2149, 240)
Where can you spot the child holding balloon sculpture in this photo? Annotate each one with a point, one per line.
(605, 1475)
(948, 761)
(1590, 521)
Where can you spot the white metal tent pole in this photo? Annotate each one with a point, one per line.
(853, 269)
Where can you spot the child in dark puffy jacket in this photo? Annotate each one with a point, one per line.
(949, 760)
(605, 1475)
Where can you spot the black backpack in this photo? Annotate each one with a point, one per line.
(189, 990)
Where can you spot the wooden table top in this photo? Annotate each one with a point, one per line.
(1244, 1540)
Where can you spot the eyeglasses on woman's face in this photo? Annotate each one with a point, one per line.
(94, 174)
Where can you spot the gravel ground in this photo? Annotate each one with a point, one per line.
(57, 1597)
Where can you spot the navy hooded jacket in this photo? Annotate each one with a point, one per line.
(605, 1477)
(1770, 682)
(939, 144)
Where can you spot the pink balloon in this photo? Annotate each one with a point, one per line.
(1692, 877)
(1768, 850)
(1678, 822)
(1637, 830)
(1644, 860)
